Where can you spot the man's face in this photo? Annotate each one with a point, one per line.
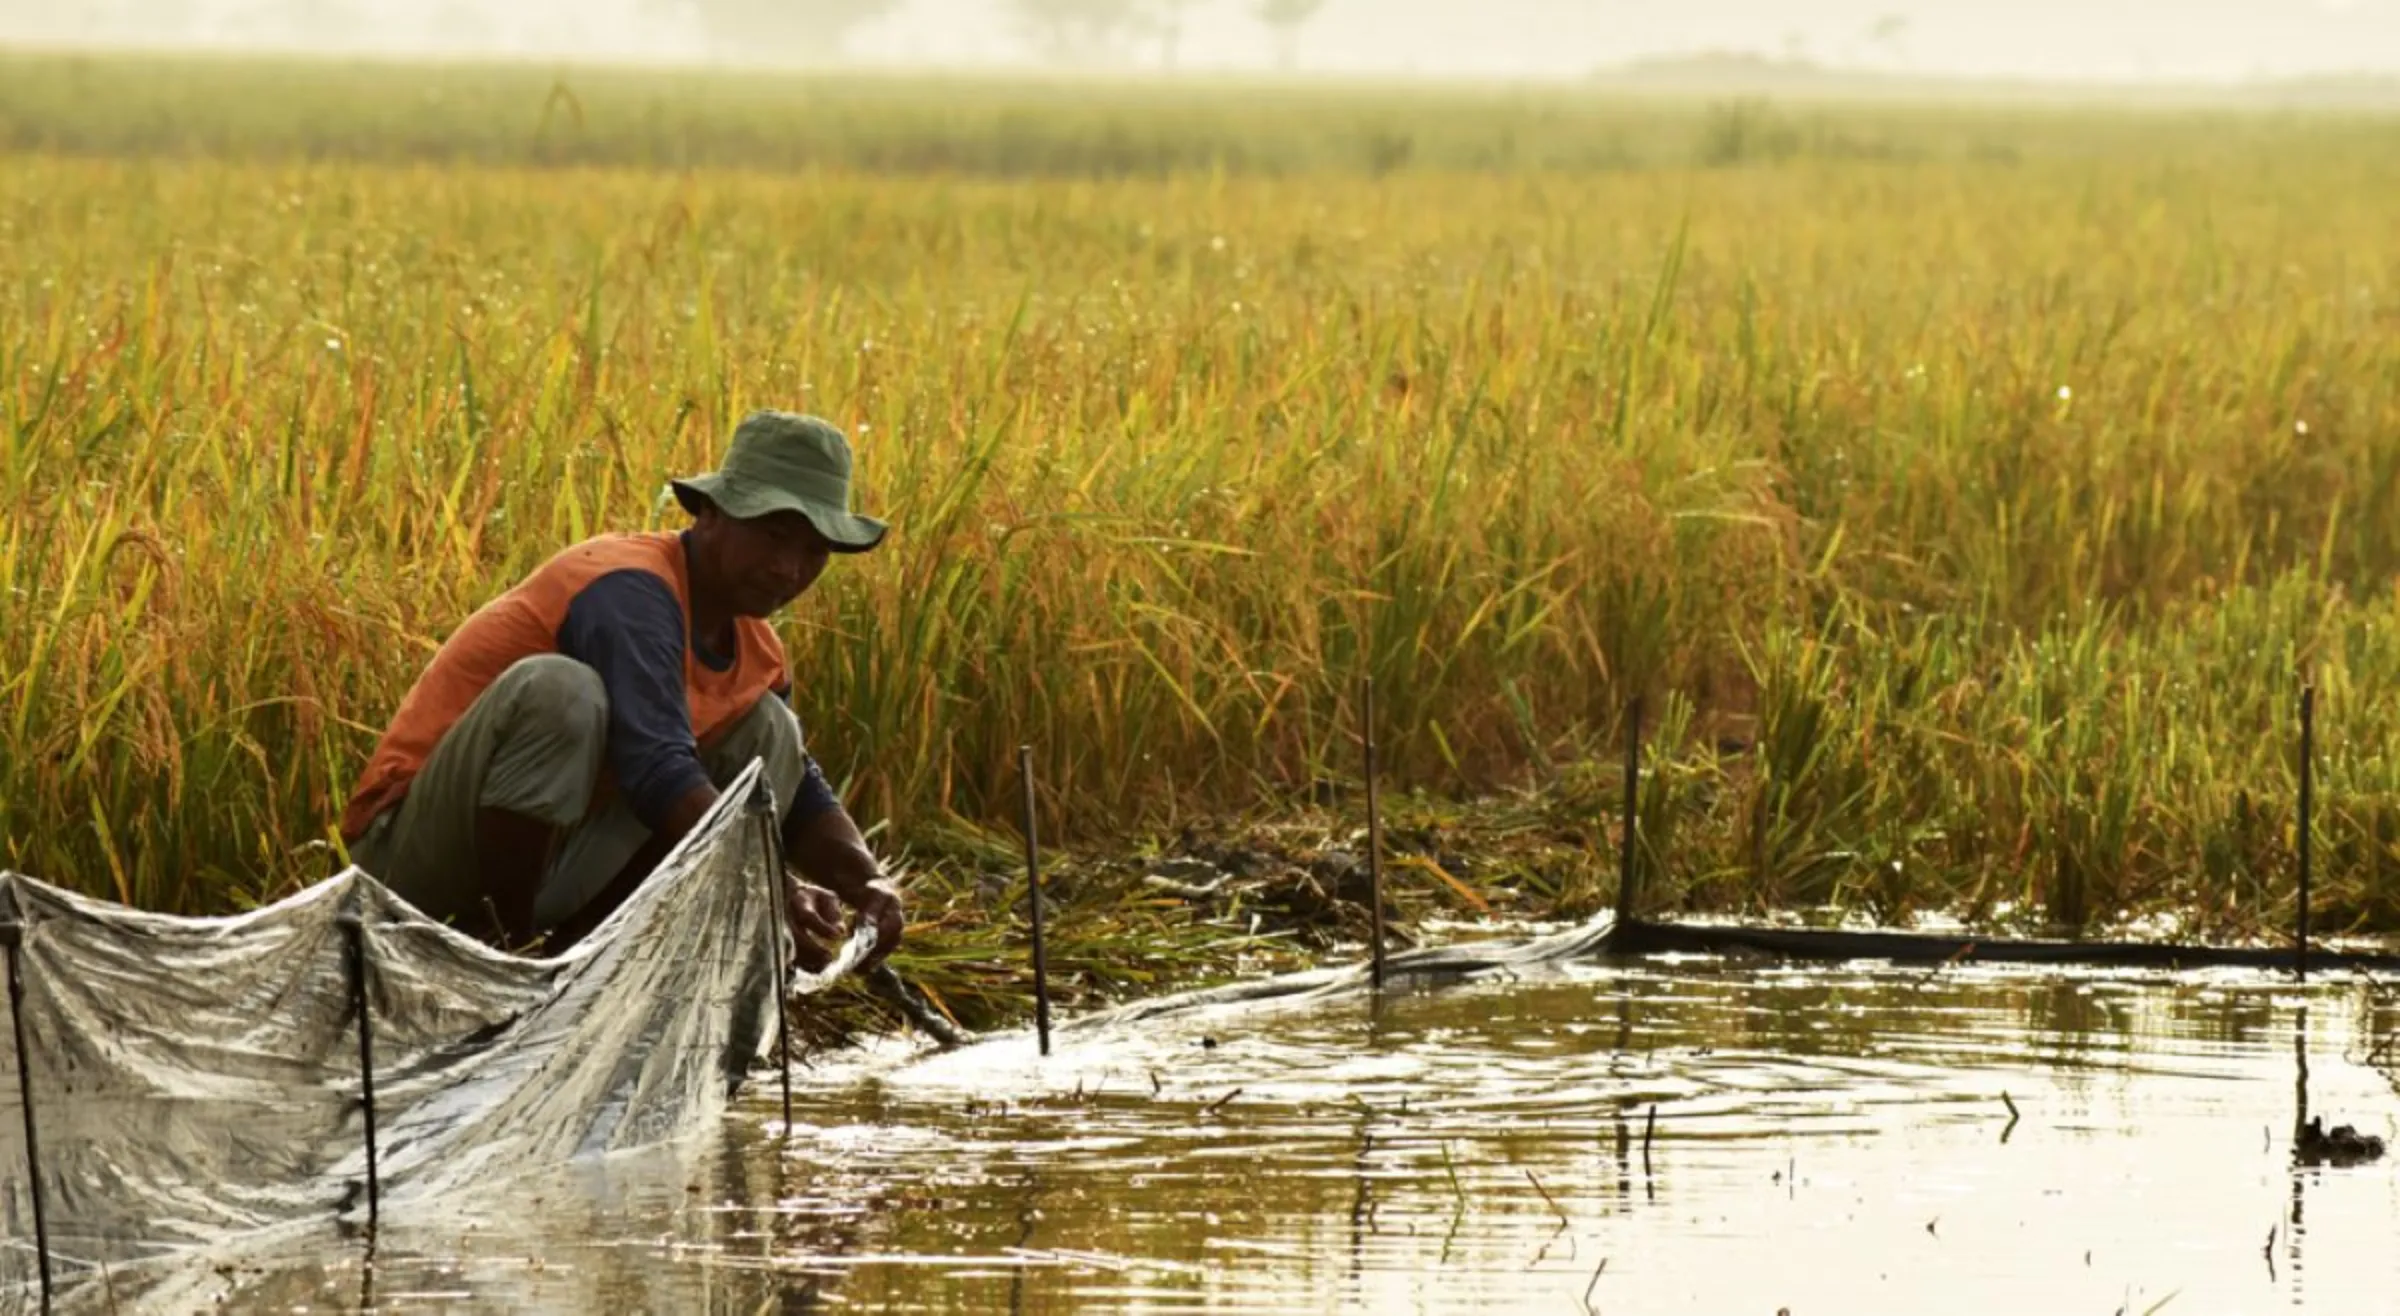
(762, 564)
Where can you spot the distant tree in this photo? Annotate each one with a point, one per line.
(1168, 19)
(1084, 31)
(464, 22)
(305, 22)
(108, 19)
(1287, 17)
(779, 28)
(324, 21)
(1886, 32)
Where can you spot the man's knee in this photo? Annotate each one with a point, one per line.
(530, 745)
(558, 695)
(552, 740)
(769, 731)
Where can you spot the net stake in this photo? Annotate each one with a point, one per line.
(1033, 900)
(762, 805)
(2308, 754)
(354, 961)
(1633, 793)
(1374, 828)
(12, 936)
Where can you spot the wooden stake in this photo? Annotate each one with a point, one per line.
(354, 938)
(1033, 898)
(762, 804)
(1374, 827)
(1633, 794)
(12, 935)
(2308, 754)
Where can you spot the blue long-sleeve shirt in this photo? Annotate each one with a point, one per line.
(628, 627)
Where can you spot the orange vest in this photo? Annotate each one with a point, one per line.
(524, 622)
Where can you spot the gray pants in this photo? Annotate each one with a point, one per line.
(533, 744)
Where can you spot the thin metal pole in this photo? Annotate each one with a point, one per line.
(12, 936)
(1374, 825)
(2308, 754)
(354, 937)
(1033, 899)
(762, 804)
(1633, 792)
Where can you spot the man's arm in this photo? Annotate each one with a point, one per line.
(627, 626)
(685, 811)
(822, 841)
(824, 845)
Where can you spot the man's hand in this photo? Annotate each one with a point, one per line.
(816, 920)
(827, 850)
(878, 903)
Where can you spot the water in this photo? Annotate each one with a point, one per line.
(1825, 1141)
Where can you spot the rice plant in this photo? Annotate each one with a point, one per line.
(1983, 508)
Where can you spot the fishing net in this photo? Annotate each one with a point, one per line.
(195, 1079)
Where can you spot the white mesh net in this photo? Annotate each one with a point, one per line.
(196, 1080)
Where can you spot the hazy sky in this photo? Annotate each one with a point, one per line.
(2070, 39)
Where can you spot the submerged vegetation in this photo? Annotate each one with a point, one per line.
(1967, 494)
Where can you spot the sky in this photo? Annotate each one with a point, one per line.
(2054, 40)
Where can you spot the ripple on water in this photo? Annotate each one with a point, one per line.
(1824, 1140)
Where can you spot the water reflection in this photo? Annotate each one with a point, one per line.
(2296, 1226)
(1682, 1136)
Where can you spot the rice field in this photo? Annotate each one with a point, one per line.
(1967, 493)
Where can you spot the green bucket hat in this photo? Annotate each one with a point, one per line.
(780, 461)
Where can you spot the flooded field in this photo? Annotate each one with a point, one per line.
(1825, 1140)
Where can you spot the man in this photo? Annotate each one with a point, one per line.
(575, 728)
